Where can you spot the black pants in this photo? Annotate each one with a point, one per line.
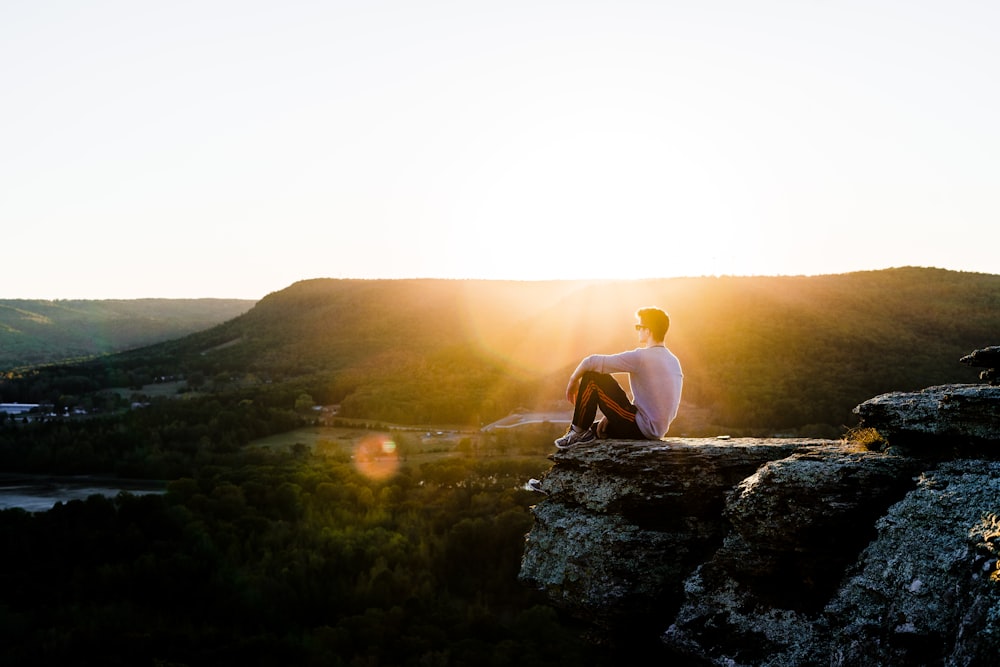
(600, 390)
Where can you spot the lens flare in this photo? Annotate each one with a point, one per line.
(376, 457)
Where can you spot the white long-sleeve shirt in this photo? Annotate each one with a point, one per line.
(656, 381)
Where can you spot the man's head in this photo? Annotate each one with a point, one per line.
(655, 320)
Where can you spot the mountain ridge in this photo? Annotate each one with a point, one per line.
(40, 331)
(792, 353)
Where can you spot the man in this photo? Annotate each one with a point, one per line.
(655, 378)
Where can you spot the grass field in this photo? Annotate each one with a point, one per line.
(402, 447)
(310, 436)
(407, 444)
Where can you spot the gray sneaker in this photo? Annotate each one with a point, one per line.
(535, 485)
(565, 438)
(574, 438)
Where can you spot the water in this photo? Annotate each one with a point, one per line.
(40, 494)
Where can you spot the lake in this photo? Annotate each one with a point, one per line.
(40, 493)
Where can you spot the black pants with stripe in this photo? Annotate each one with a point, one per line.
(600, 390)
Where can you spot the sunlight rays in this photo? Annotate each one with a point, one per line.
(564, 321)
(531, 341)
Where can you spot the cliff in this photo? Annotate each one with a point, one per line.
(783, 551)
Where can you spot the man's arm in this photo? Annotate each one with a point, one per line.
(574, 386)
(623, 362)
(588, 364)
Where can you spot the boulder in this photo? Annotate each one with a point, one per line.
(926, 591)
(625, 521)
(954, 420)
(786, 552)
(988, 358)
(797, 524)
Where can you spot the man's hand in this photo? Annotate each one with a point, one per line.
(571, 389)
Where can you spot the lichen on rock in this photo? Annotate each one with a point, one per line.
(924, 589)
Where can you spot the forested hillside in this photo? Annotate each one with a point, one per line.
(36, 332)
(301, 555)
(759, 353)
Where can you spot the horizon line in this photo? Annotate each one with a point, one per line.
(488, 280)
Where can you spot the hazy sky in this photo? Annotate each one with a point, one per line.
(228, 149)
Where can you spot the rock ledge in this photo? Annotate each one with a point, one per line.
(786, 552)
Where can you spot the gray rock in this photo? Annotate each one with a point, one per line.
(797, 524)
(987, 357)
(926, 591)
(948, 420)
(784, 553)
(626, 521)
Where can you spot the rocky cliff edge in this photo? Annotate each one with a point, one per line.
(784, 551)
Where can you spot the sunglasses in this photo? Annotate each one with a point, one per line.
(640, 327)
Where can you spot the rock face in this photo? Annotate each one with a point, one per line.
(948, 420)
(782, 552)
(987, 358)
(616, 508)
(927, 589)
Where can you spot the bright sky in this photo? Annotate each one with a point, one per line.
(227, 149)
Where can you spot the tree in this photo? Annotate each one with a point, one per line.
(304, 402)
(195, 379)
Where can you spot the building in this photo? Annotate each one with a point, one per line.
(17, 408)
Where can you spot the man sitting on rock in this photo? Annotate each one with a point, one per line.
(654, 376)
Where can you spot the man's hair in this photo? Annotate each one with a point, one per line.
(657, 321)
